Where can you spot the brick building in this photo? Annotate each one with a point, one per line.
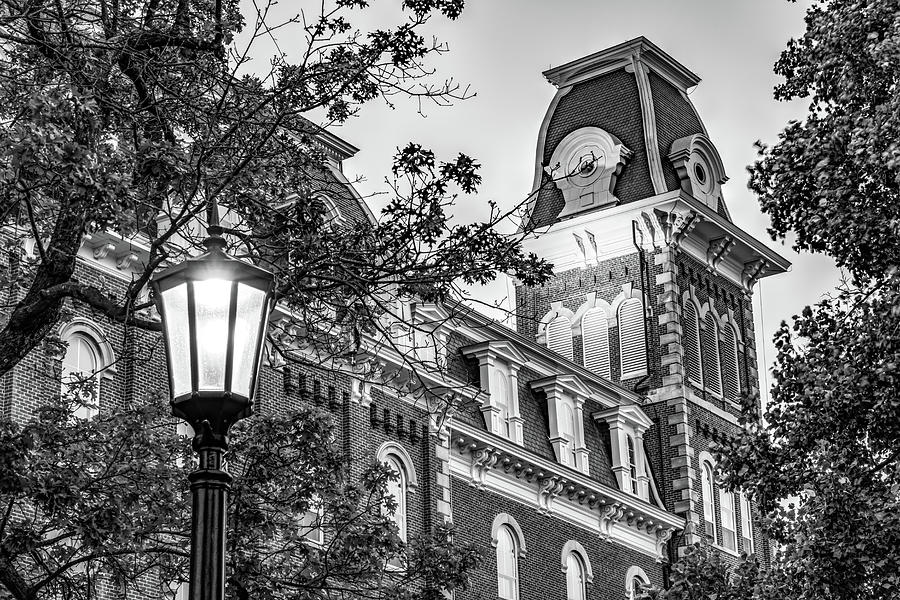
(577, 458)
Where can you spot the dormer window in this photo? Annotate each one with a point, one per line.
(627, 425)
(565, 409)
(499, 363)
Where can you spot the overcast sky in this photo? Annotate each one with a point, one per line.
(500, 48)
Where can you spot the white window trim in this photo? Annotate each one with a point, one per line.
(573, 547)
(561, 390)
(623, 374)
(501, 356)
(506, 519)
(633, 573)
(398, 451)
(105, 356)
(747, 523)
(697, 339)
(628, 421)
(706, 460)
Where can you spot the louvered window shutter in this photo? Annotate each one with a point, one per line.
(632, 341)
(559, 336)
(595, 338)
(711, 365)
(730, 376)
(691, 343)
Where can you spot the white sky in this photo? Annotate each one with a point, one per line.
(500, 48)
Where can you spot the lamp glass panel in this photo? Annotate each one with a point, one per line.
(250, 311)
(212, 299)
(178, 335)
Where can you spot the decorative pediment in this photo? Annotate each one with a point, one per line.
(585, 166)
(628, 414)
(566, 384)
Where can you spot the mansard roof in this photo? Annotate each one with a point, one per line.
(637, 94)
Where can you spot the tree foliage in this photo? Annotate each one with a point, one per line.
(824, 463)
(107, 499)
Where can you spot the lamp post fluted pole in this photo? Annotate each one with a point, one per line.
(210, 485)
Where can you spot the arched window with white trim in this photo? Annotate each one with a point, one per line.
(709, 507)
(559, 336)
(88, 359)
(575, 580)
(746, 524)
(577, 568)
(395, 457)
(396, 488)
(712, 376)
(632, 339)
(731, 378)
(690, 342)
(507, 564)
(636, 581)
(729, 524)
(595, 341)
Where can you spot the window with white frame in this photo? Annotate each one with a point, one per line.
(627, 424)
(310, 525)
(746, 524)
(507, 564)
(567, 430)
(87, 360)
(566, 395)
(575, 577)
(709, 507)
(690, 341)
(632, 339)
(595, 341)
(577, 569)
(729, 524)
(396, 458)
(499, 362)
(636, 581)
(632, 465)
(396, 489)
(711, 364)
(730, 373)
(559, 336)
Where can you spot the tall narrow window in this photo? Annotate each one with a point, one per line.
(507, 564)
(709, 507)
(501, 381)
(575, 578)
(79, 366)
(559, 336)
(567, 432)
(311, 522)
(726, 506)
(396, 488)
(690, 341)
(711, 365)
(632, 465)
(730, 374)
(632, 339)
(746, 524)
(595, 338)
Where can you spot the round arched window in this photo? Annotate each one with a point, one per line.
(79, 368)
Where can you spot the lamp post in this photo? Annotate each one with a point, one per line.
(214, 311)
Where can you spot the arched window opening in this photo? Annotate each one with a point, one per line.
(396, 488)
(731, 378)
(711, 364)
(690, 341)
(632, 465)
(746, 524)
(595, 339)
(559, 336)
(79, 368)
(709, 511)
(729, 527)
(635, 583)
(507, 564)
(575, 578)
(632, 339)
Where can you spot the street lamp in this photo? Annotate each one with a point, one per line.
(214, 311)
